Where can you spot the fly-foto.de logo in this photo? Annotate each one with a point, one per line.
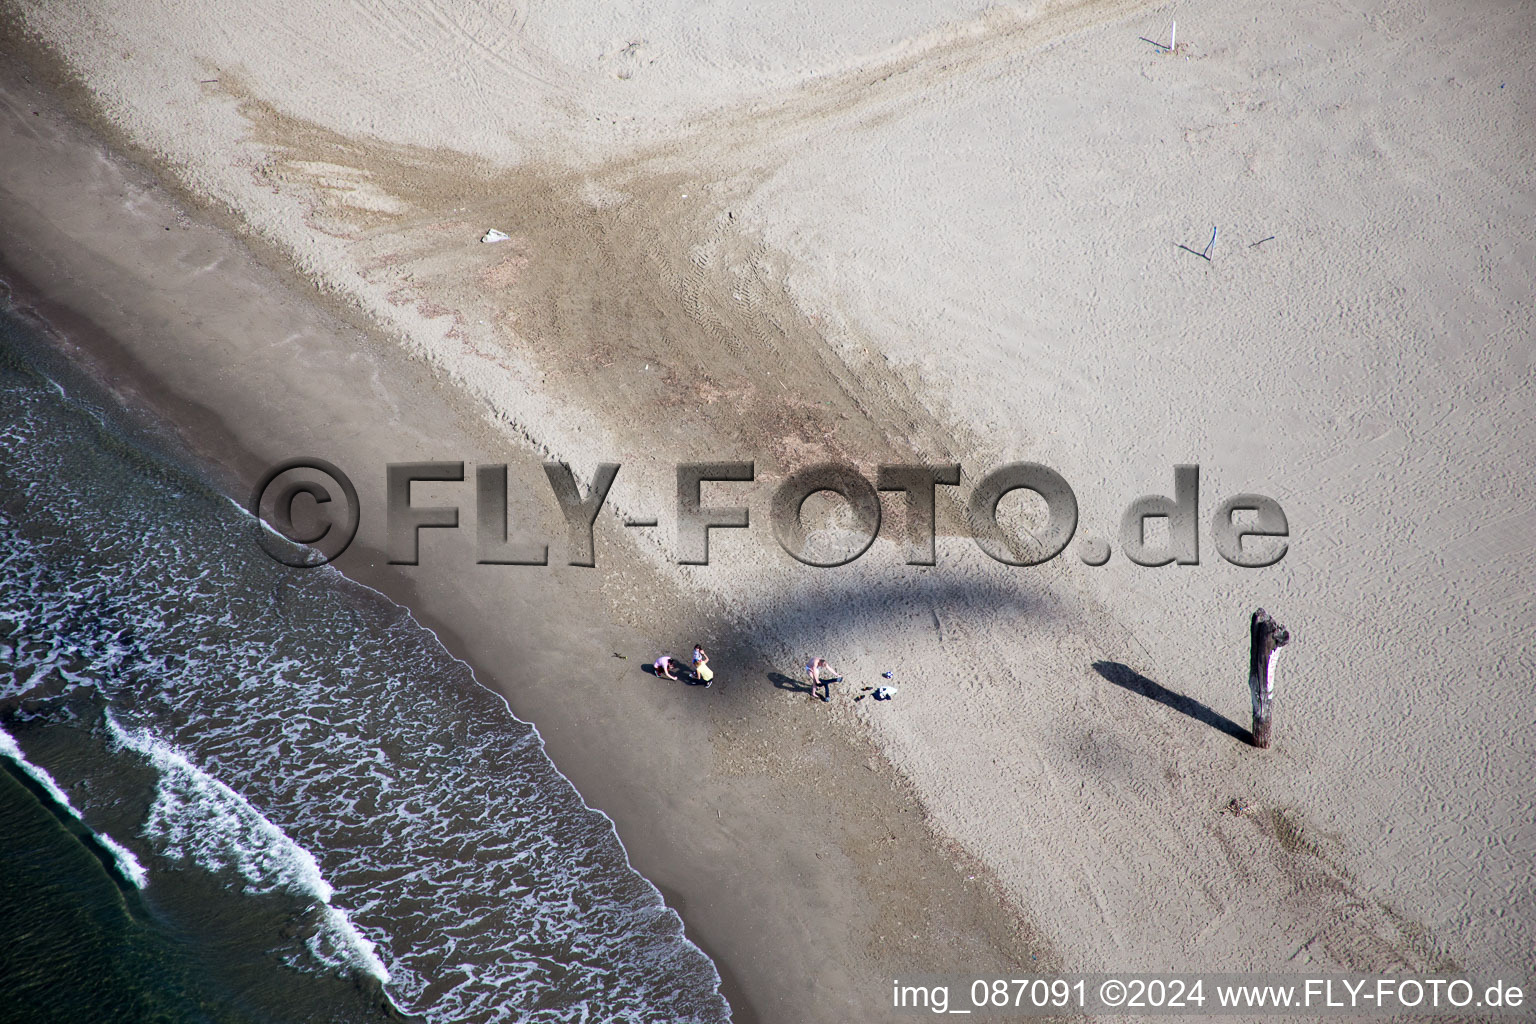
(308, 513)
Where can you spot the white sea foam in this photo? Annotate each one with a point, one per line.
(10, 749)
(197, 817)
(127, 864)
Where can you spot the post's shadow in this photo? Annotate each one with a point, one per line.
(1129, 679)
(785, 682)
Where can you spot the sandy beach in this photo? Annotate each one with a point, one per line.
(945, 234)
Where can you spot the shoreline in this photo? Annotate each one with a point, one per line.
(758, 988)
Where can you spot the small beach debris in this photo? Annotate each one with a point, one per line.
(887, 675)
(1173, 40)
(884, 693)
(616, 654)
(1206, 255)
(1237, 807)
(493, 235)
(1261, 241)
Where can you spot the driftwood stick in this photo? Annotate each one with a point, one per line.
(1265, 638)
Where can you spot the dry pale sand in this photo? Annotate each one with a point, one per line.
(951, 233)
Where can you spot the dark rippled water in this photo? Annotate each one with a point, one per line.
(237, 791)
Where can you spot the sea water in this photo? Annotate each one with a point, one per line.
(237, 791)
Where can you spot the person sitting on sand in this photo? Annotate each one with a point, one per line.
(701, 665)
(664, 666)
(814, 669)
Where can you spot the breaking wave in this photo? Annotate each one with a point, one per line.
(197, 817)
(128, 865)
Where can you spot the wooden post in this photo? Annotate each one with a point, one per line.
(1265, 638)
